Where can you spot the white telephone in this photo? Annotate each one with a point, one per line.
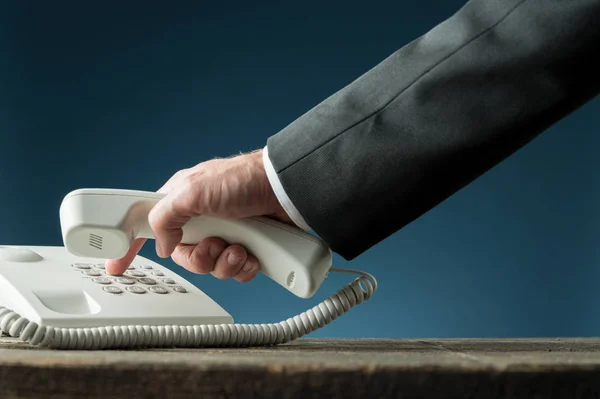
(61, 297)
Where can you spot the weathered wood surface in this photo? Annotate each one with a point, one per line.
(311, 368)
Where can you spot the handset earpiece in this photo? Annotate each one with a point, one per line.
(102, 223)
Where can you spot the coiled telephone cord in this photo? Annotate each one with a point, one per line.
(206, 335)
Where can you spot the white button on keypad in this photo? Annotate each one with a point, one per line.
(136, 289)
(179, 289)
(135, 273)
(157, 289)
(91, 273)
(157, 273)
(112, 289)
(168, 280)
(99, 266)
(83, 266)
(124, 280)
(147, 281)
(147, 267)
(101, 280)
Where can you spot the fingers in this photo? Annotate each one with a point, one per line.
(249, 270)
(230, 262)
(166, 222)
(199, 258)
(214, 256)
(118, 266)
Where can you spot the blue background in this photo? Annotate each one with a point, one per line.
(124, 94)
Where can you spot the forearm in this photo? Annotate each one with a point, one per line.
(435, 115)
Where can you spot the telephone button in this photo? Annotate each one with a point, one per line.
(92, 273)
(135, 273)
(82, 266)
(158, 273)
(168, 280)
(101, 280)
(147, 267)
(147, 281)
(179, 289)
(124, 280)
(157, 289)
(136, 289)
(112, 289)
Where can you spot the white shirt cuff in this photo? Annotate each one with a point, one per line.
(282, 197)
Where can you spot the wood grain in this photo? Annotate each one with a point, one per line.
(311, 368)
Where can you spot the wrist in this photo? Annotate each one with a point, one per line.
(283, 200)
(272, 206)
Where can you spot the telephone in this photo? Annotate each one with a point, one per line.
(61, 296)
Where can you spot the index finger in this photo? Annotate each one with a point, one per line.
(118, 266)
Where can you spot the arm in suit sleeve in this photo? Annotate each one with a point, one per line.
(435, 115)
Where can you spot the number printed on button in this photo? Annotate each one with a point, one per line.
(112, 289)
(135, 273)
(136, 289)
(101, 280)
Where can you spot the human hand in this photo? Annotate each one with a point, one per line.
(235, 188)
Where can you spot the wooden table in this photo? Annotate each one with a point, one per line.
(310, 368)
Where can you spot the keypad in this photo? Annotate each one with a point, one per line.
(134, 280)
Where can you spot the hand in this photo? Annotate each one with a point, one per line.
(234, 187)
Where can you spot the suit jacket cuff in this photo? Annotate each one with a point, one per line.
(282, 197)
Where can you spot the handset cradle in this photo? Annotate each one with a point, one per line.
(102, 223)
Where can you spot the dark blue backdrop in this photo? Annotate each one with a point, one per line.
(124, 94)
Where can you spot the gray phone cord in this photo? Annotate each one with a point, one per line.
(207, 335)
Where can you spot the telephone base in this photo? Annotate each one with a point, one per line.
(52, 298)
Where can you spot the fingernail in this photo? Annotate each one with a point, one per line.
(233, 259)
(247, 267)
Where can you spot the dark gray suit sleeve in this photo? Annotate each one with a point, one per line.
(437, 114)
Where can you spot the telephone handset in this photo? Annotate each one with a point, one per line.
(61, 297)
